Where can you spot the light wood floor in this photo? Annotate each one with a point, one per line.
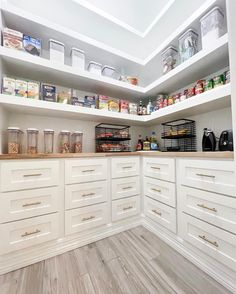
(135, 261)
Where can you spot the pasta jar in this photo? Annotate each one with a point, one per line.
(64, 141)
(14, 140)
(48, 140)
(32, 141)
(77, 142)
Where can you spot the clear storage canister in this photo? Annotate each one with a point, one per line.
(64, 141)
(77, 58)
(57, 51)
(95, 67)
(48, 140)
(188, 45)
(169, 59)
(14, 140)
(32, 141)
(109, 71)
(77, 142)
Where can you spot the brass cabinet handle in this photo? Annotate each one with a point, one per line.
(89, 194)
(157, 212)
(126, 188)
(128, 207)
(155, 167)
(32, 175)
(31, 204)
(88, 170)
(207, 176)
(30, 233)
(214, 243)
(156, 190)
(126, 167)
(204, 206)
(87, 218)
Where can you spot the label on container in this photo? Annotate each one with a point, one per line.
(8, 86)
(49, 93)
(21, 88)
(33, 90)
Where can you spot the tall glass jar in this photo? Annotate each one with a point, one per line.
(77, 142)
(32, 141)
(64, 141)
(48, 140)
(14, 140)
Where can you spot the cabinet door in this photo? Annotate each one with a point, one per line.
(125, 187)
(124, 208)
(122, 167)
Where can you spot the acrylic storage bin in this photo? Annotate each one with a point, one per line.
(64, 138)
(77, 58)
(212, 26)
(77, 142)
(32, 141)
(48, 141)
(188, 45)
(57, 51)
(169, 59)
(109, 71)
(14, 140)
(95, 67)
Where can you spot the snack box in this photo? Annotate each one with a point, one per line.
(114, 105)
(48, 93)
(21, 88)
(77, 101)
(124, 106)
(90, 101)
(133, 108)
(63, 95)
(103, 102)
(8, 86)
(12, 39)
(32, 45)
(33, 89)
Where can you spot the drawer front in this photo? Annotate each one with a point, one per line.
(213, 241)
(160, 213)
(214, 176)
(85, 218)
(22, 175)
(80, 195)
(29, 203)
(28, 232)
(160, 190)
(159, 168)
(125, 167)
(85, 170)
(124, 208)
(125, 187)
(216, 209)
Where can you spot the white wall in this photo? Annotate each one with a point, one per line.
(3, 126)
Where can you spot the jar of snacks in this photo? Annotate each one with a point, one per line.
(169, 59)
(200, 87)
(77, 142)
(188, 45)
(32, 141)
(64, 141)
(14, 140)
(48, 140)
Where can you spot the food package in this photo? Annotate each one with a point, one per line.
(90, 101)
(32, 45)
(12, 39)
(114, 105)
(133, 108)
(63, 95)
(77, 101)
(49, 93)
(124, 106)
(8, 86)
(33, 90)
(103, 102)
(21, 88)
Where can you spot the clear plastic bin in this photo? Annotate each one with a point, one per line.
(188, 45)
(57, 51)
(169, 59)
(14, 140)
(109, 71)
(32, 141)
(95, 67)
(64, 141)
(77, 58)
(48, 140)
(212, 26)
(77, 142)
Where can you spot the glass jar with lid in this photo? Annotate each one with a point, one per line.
(32, 140)
(64, 141)
(48, 140)
(14, 140)
(77, 142)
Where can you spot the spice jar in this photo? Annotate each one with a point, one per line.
(32, 141)
(65, 141)
(14, 140)
(48, 140)
(77, 142)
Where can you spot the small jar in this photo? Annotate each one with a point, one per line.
(32, 141)
(48, 140)
(77, 142)
(14, 140)
(64, 141)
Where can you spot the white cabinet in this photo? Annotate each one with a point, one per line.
(125, 187)
(124, 208)
(122, 167)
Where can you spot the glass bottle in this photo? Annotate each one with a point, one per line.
(149, 107)
(146, 145)
(48, 141)
(32, 141)
(64, 141)
(77, 142)
(153, 140)
(139, 146)
(140, 108)
(14, 140)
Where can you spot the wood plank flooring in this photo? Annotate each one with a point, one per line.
(135, 261)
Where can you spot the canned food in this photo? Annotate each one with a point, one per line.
(170, 100)
(219, 80)
(184, 95)
(199, 89)
(209, 85)
(176, 97)
(165, 102)
(227, 77)
(191, 92)
(159, 101)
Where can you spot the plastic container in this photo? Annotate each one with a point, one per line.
(14, 140)
(32, 141)
(95, 67)
(188, 45)
(64, 141)
(108, 71)
(77, 142)
(48, 140)
(169, 59)
(57, 51)
(77, 58)
(212, 26)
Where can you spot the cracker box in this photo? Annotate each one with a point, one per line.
(33, 90)
(32, 45)
(21, 88)
(8, 86)
(49, 93)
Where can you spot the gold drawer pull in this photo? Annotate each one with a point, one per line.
(126, 188)
(30, 233)
(124, 167)
(84, 219)
(204, 206)
(31, 204)
(89, 194)
(155, 167)
(32, 175)
(156, 190)
(207, 176)
(157, 212)
(128, 207)
(88, 170)
(214, 243)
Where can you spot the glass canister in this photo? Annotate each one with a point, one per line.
(48, 140)
(14, 140)
(77, 142)
(64, 141)
(77, 58)
(169, 59)
(188, 45)
(32, 141)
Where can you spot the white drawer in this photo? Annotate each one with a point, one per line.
(28, 232)
(215, 176)
(125, 167)
(159, 168)
(213, 241)
(160, 213)
(214, 208)
(160, 190)
(124, 208)
(85, 218)
(21, 175)
(125, 187)
(85, 170)
(80, 195)
(29, 203)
